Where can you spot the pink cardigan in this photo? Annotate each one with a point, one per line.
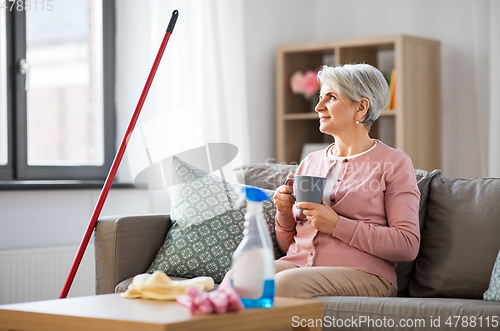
(377, 200)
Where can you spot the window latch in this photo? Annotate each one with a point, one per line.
(23, 68)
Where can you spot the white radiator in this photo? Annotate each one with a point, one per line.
(40, 273)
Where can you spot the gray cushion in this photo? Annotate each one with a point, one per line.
(265, 175)
(460, 239)
(410, 311)
(405, 270)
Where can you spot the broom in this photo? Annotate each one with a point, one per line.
(117, 160)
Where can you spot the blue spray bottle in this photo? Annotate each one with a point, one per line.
(252, 263)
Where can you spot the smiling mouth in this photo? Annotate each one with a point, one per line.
(323, 118)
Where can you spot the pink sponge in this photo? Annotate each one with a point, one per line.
(222, 300)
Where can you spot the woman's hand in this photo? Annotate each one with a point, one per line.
(321, 216)
(283, 199)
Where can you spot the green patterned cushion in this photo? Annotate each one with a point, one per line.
(493, 292)
(206, 229)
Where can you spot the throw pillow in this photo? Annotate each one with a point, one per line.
(404, 270)
(459, 242)
(205, 228)
(493, 292)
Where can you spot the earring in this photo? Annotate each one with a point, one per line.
(357, 122)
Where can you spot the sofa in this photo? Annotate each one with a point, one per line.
(442, 288)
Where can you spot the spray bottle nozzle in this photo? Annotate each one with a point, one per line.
(253, 194)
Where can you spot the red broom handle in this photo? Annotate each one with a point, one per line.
(117, 160)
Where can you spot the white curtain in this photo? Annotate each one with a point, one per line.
(200, 87)
(486, 19)
(198, 95)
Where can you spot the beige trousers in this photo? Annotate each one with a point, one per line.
(292, 281)
(295, 282)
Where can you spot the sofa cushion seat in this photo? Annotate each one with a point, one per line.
(417, 313)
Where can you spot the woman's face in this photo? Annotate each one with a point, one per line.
(336, 113)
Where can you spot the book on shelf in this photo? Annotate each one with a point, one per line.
(392, 91)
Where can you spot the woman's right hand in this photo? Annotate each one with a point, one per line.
(283, 198)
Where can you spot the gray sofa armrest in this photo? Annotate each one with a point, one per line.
(126, 246)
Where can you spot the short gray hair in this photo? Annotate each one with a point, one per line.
(357, 81)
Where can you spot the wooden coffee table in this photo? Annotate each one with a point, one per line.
(112, 312)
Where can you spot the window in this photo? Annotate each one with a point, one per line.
(56, 89)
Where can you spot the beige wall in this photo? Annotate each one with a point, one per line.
(269, 23)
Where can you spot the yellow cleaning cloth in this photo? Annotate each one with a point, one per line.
(159, 286)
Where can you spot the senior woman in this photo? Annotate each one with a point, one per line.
(350, 244)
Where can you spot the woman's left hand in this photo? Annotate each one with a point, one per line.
(321, 216)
